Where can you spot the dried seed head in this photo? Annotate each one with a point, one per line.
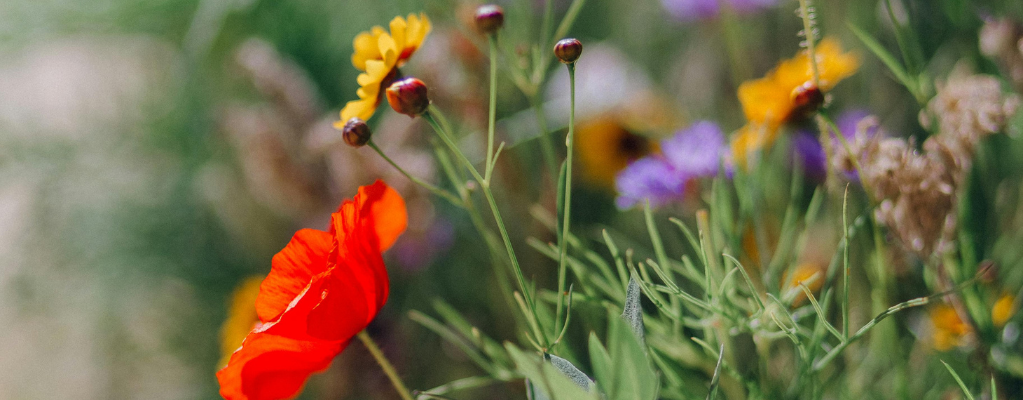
(356, 133)
(568, 50)
(408, 96)
(489, 18)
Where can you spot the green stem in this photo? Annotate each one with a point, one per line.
(493, 108)
(804, 13)
(545, 137)
(385, 365)
(567, 202)
(433, 189)
(485, 186)
(845, 266)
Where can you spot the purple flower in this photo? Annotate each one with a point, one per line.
(690, 10)
(661, 178)
(807, 148)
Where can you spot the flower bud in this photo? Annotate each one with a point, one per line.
(356, 133)
(489, 18)
(568, 50)
(408, 96)
(806, 100)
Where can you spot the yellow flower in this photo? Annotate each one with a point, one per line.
(1003, 310)
(379, 55)
(241, 317)
(605, 146)
(948, 329)
(770, 100)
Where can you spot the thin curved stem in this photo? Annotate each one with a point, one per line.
(485, 186)
(433, 189)
(493, 108)
(567, 202)
(385, 365)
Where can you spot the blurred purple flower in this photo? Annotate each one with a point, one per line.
(691, 153)
(807, 147)
(690, 10)
(808, 150)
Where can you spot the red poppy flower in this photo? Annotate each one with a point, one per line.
(323, 289)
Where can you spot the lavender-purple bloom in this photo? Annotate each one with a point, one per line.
(690, 10)
(810, 153)
(807, 147)
(691, 153)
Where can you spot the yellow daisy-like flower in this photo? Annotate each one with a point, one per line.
(379, 54)
(771, 100)
(776, 98)
(241, 317)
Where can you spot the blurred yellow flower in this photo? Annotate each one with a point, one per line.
(605, 146)
(948, 329)
(379, 55)
(241, 317)
(1003, 310)
(770, 100)
(776, 98)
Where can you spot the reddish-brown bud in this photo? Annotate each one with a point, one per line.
(806, 100)
(408, 96)
(489, 18)
(568, 50)
(356, 133)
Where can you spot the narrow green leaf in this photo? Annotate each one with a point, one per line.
(573, 373)
(887, 58)
(717, 373)
(958, 380)
(632, 312)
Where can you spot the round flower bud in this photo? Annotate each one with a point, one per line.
(806, 100)
(356, 133)
(489, 18)
(568, 50)
(408, 96)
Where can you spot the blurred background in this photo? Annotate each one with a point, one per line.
(155, 154)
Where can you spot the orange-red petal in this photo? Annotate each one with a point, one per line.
(274, 367)
(382, 209)
(293, 269)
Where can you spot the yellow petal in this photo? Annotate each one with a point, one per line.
(398, 32)
(365, 48)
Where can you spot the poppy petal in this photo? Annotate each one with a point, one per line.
(382, 208)
(293, 269)
(274, 367)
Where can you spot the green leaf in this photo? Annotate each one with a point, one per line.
(715, 380)
(544, 380)
(958, 380)
(573, 373)
(600, 361)
(634, 379)
(632, 312)
(888, 59)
